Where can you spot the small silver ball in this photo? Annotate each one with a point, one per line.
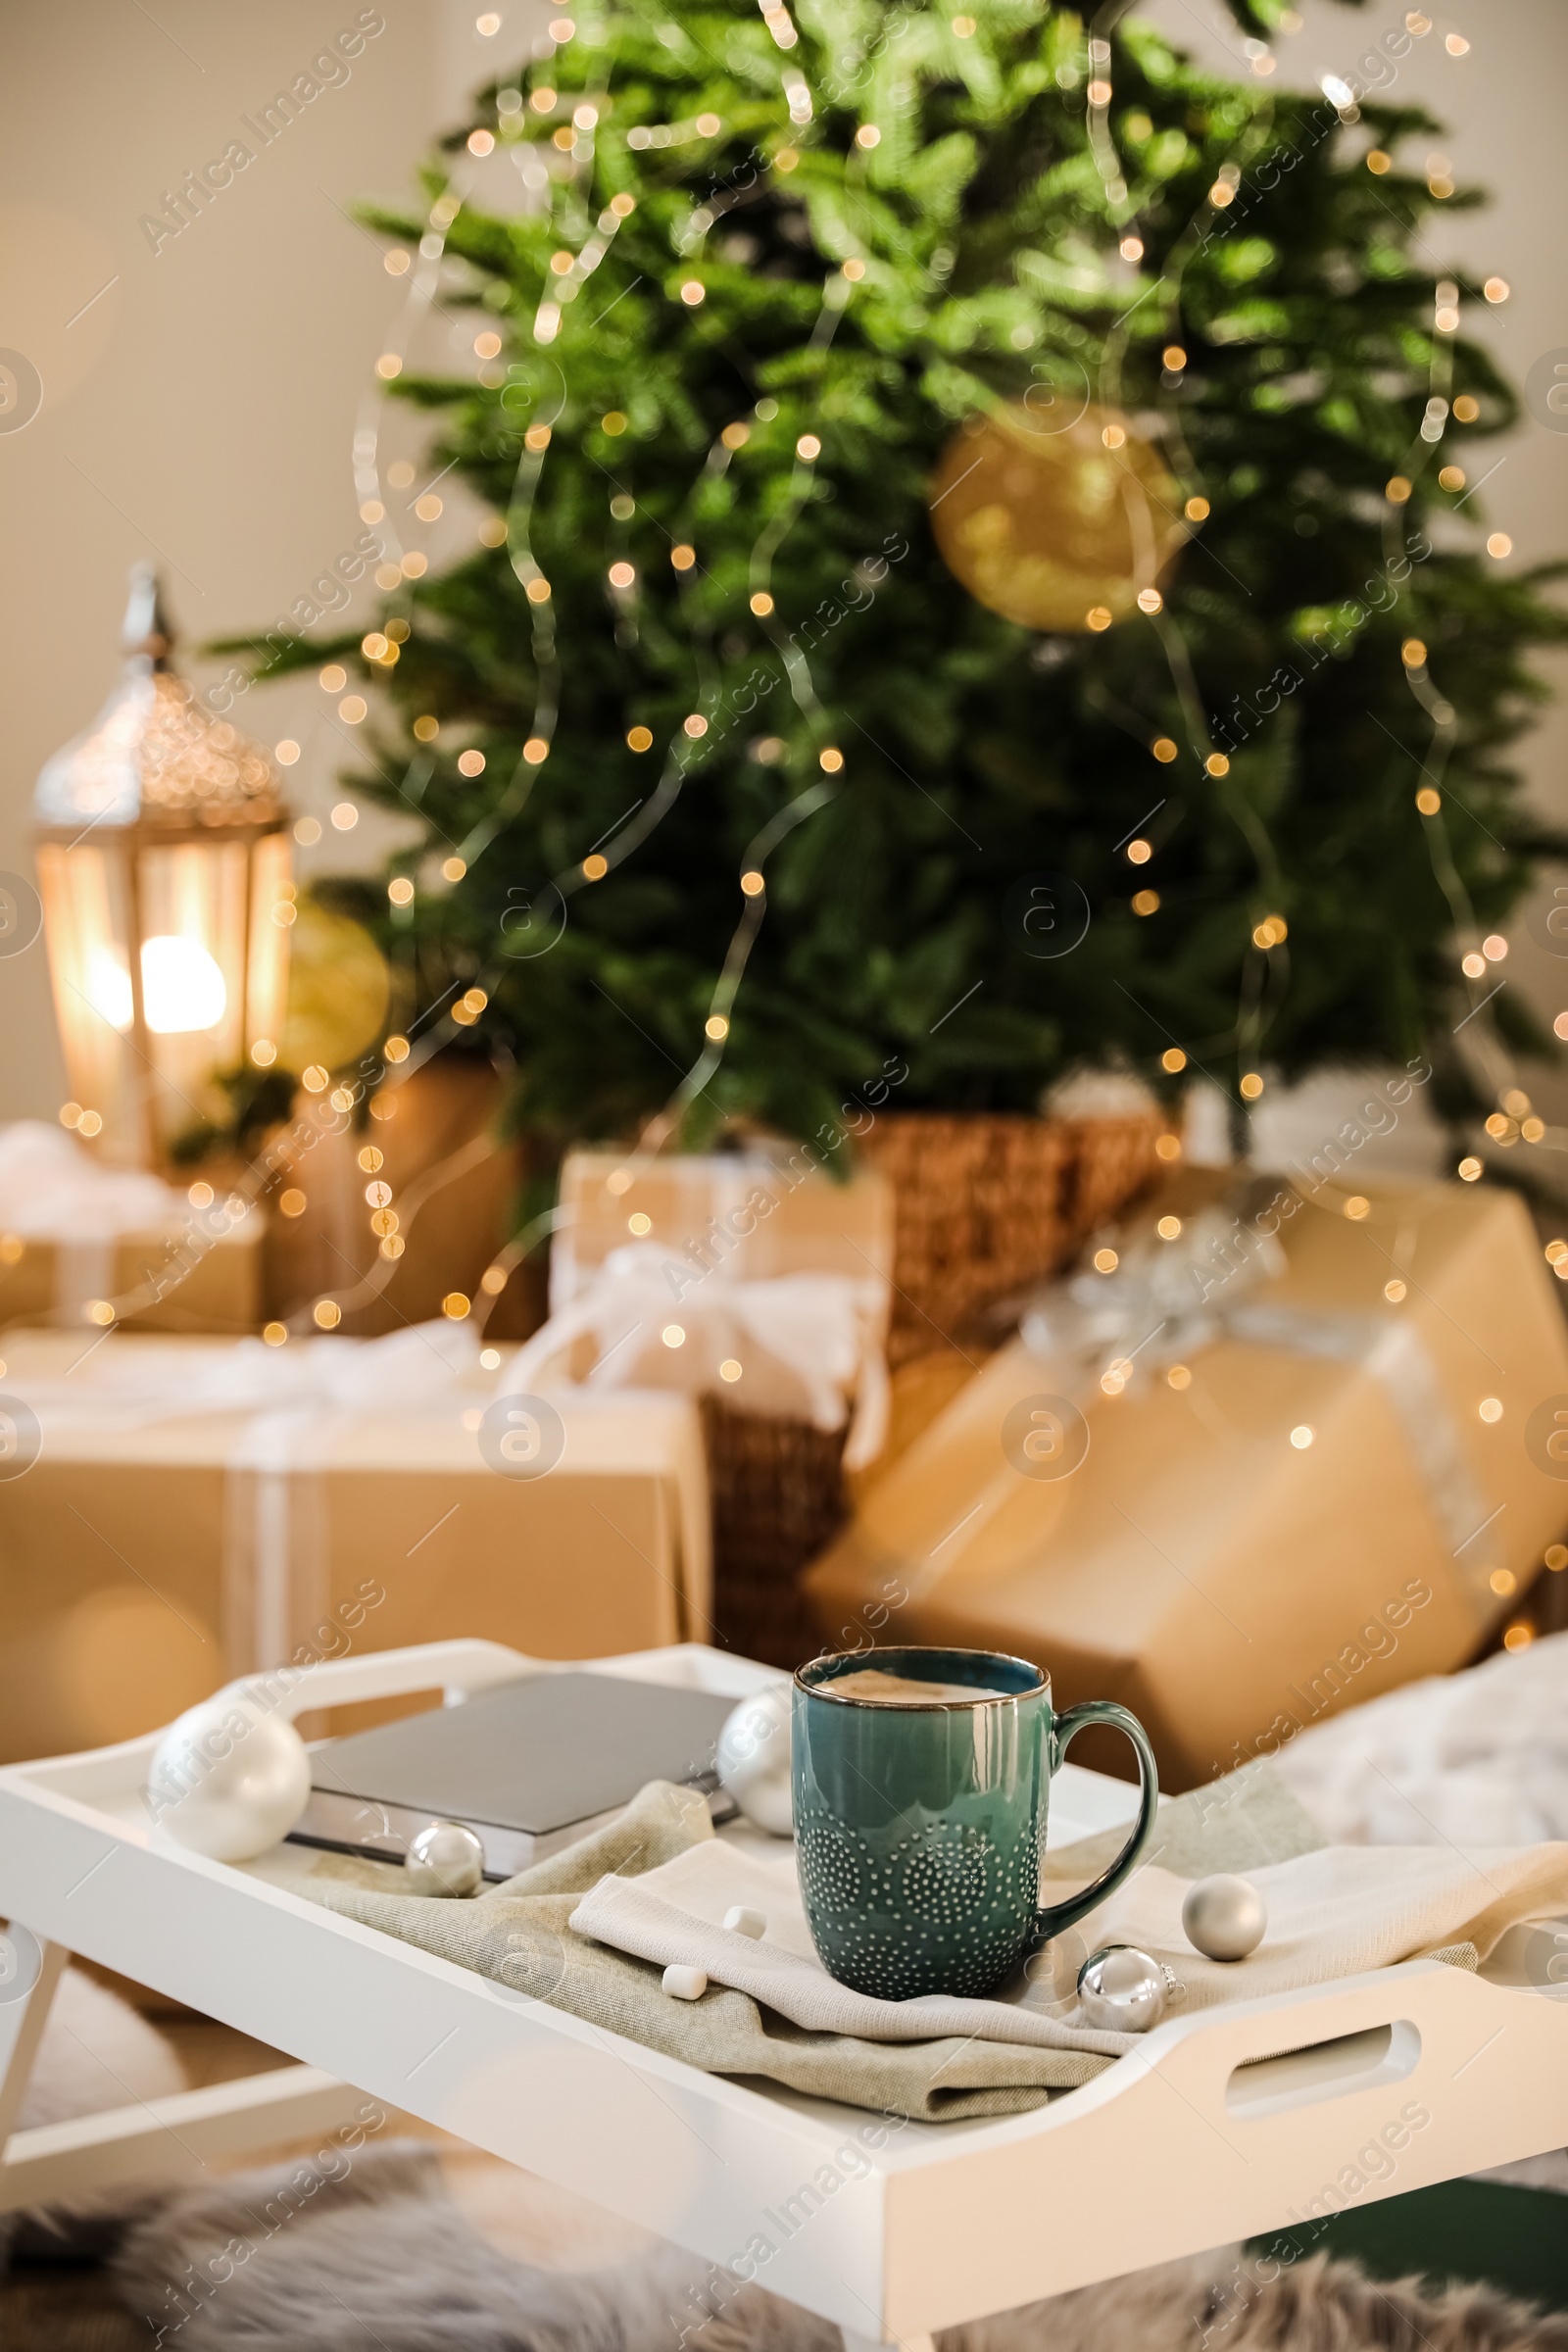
(1123, 1989)
(447, 1858)
(1224, 1917)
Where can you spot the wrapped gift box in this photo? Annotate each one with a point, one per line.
(455, 1182)
(1333, 1486)
(75, 1235)
(179, 1277)
(756, 1216)
(197, 1509)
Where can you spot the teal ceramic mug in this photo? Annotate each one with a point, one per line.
(920, 1821)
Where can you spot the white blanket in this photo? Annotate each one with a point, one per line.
(1474, 1759)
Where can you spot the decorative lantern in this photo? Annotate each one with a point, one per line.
(163, 866)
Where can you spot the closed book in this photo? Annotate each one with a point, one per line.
(529, 1766)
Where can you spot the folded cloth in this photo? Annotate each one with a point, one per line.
(649, 1916)
(1343, 1910)
(1332, 1913)
(520, 1934)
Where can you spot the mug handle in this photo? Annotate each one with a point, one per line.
(1065, 1729)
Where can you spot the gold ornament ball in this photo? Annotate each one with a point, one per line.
(338, 990)
(1047, 526)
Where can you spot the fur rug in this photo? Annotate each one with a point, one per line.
(96, 2053)
(380, 2256)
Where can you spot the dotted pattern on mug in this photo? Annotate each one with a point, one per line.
(950, 1901)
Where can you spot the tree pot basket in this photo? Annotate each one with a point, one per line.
(990, 1203)
(983, 1208)
(778, 1499)
(1113, 1161)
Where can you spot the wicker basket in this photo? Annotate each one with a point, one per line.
(984, 1209)
(988, 1202)
(986, 1205)
(1113, 1161)
(778, 1499)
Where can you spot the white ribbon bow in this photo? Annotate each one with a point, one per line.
(804, 1343)
(1162, 1302)
(417, 1368)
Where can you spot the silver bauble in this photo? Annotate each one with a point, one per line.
(1123, 1989)
(447, 1858)
(754, 1759)
(229, 1777)
(1224, 1917)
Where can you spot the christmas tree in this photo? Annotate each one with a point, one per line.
(731, 790)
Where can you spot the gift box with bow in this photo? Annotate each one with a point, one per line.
(175, 1512)
(76, 1237)
(756, 1284)
(1265, 1457)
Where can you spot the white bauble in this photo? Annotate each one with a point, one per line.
(230, 1776)
(754, 1759)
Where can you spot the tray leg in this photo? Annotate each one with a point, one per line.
(29, 1970)
(178, 2139)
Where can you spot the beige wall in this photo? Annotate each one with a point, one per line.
(200, 410)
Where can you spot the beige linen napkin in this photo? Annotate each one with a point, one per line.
(1331, 1914)
(674, 1914)
(1343, 1910)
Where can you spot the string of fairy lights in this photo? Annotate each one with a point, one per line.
(569, 271)
(1256, 1009)
(681, 754)
(583, 244)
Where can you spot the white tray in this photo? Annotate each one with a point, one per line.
(1217, 2127)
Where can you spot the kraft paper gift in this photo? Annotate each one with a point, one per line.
(154, 1279)
(73, 1233)
(758, 1285)
(198, 1509)
(751, 1216)
(792, 1347)
(455, 1181)
(747, 1277)
(1269, 1468)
